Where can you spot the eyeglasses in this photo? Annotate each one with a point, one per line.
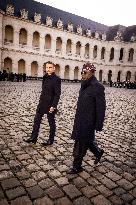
(83, 72)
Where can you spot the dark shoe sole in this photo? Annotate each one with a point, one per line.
(29, 142)
(74, 171)
(97, 160)
(47, 144)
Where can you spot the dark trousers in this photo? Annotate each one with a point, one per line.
(37, 122)
(80, 149)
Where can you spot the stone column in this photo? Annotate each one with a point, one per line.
(40, 69)
(134, 57)
(14, 66)
(71, 74)
(16, 38)
(29, 40)
(91, 53)
(62, 71)
(82, 54)
(53, 46)
(104, 75)
(116, 56)
(28, 68)
(42, 43)
(125, 56)
(107, 56)
(114, 77)
(133, 78)
(98, 54)
(122, 76)
(63, 48)
(73, 48)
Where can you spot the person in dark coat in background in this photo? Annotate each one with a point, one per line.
(49, 98)
(89, 118)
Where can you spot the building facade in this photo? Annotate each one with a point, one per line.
(26, 45)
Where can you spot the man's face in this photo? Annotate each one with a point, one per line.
(86, 74)
(50, 68)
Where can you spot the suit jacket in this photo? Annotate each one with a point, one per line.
(50, 94)
(90, 110)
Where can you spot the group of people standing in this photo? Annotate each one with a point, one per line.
(126, 84)
(89, 117)
(13, 77)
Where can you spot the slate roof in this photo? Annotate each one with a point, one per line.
(45, 10)
(129, 31)
(112, 31)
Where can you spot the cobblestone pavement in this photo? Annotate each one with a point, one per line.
(32, 174)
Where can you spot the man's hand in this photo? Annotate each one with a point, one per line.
(51, 109)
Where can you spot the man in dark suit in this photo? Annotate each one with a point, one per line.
(89, 117)
(49, 98)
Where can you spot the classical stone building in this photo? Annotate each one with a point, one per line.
(32, 33)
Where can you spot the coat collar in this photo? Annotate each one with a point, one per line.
(88, 82)
(49, 76)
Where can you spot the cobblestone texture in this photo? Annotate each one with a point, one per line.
(36, 175)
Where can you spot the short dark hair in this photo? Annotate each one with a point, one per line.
(49, 62)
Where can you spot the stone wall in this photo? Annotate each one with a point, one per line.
(75, 58)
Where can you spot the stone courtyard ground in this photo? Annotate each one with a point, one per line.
(33, 174)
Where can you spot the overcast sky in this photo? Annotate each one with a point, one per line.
(107, 12)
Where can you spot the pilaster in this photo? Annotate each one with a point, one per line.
(14, 66)
(28, 68)
(16, 38)
(40, 70)
(71, 74)
(42, 43)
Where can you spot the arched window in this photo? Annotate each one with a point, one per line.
(119, 76)
(68, 47)
(8, 65)
(109, 75)
(130, 55)
(57, 69)
(34, 69)
(78, 48)
(23, 36)
(112, 54)
(21, 66)
(76, 73)
(100, 75)
(36, 39)
(66, 72)
(47, 42)
(8, 34)
(102, 53)
(121, 54)
(87, 50)
(58, 44)
(95, 52)
(128, 76)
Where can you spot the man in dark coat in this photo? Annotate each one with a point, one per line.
(49, 98)
(89, 117)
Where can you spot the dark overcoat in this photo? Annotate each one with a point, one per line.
(50, 94)
(90, 110)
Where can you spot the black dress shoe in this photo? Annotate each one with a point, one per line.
(48, 142)
(99, 157)
(74, 170)
(30, 140)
